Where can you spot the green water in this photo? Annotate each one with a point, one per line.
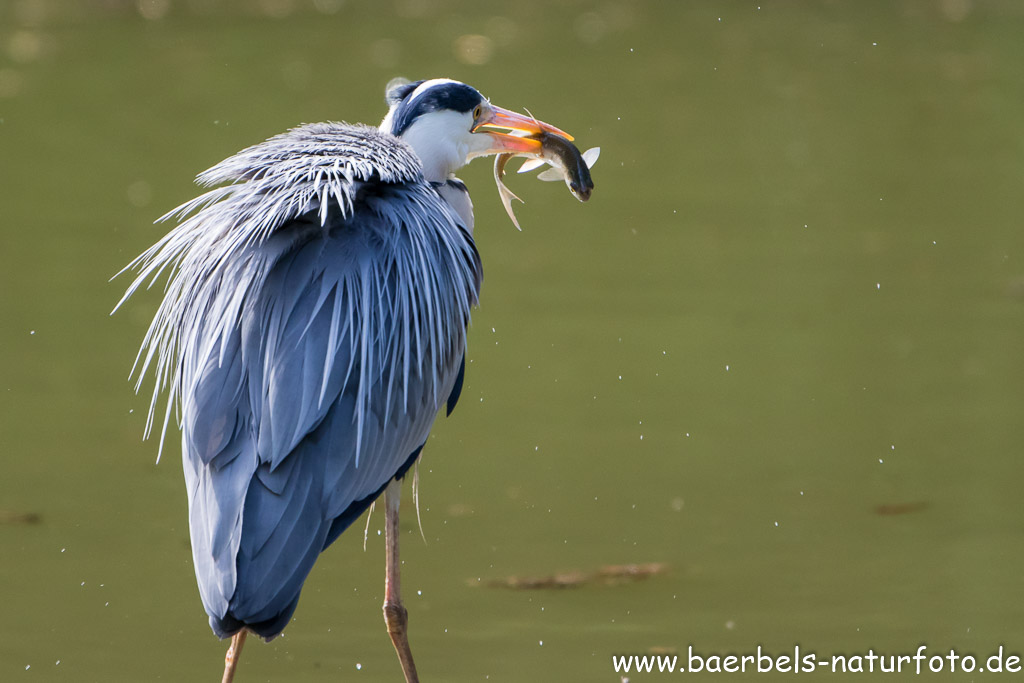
(779, 351)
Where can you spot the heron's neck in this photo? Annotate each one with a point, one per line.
(441, 152)
(455, 193)
(436, 170)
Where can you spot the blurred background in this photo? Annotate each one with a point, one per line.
(776, 361)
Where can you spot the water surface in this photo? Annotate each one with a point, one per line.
(779, 351)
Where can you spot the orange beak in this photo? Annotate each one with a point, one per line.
(505, 143)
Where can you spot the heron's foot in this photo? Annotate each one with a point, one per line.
(397, 619)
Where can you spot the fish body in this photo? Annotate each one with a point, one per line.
(506, 194)
(567, 164)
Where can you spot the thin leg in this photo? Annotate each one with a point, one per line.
(395, 615)
(234, 652)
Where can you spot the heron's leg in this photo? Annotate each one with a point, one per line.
(395, 615)
(231, 658)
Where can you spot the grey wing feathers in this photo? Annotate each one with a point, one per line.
(313, 325)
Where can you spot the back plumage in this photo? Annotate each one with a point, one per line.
(313, 325)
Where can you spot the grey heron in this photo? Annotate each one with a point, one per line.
(312, 327)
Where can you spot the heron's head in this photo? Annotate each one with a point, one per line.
(448, 123)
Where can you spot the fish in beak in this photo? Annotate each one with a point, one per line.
(510, 134)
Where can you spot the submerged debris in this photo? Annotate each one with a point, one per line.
(623, 573)
(15, 517)
(609, 575)
(901, 508)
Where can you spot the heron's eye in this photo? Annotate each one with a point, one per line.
(477, 112)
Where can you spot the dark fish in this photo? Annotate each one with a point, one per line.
(567, 162)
